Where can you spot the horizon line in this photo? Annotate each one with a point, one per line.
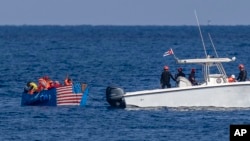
(122, 25)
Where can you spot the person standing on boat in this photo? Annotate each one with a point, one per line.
(180, 73)
(191, 77)
(243, 73)
(165, 78)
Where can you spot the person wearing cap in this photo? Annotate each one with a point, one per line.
(191, 77)
(231, 79)
(243, 73)
(180, 73)
(165, 78)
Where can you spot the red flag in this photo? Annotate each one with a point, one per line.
(169, 52)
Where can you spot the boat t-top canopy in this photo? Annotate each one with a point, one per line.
(207, 63)
(205, 60)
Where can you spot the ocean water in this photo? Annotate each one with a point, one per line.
(126, 56)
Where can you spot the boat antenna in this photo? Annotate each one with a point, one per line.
(213, 45)
(200, 33)
(219, 65)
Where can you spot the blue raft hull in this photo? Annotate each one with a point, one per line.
(57, 96)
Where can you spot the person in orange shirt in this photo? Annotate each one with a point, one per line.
(231, 79)
(43, 83)
(50, 83)
(56, 84)
(68, 81)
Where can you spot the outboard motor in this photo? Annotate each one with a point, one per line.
(114, 97)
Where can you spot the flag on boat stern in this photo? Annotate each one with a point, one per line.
(70, 95)
(169, 52)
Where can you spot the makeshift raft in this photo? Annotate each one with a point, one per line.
(75, 94)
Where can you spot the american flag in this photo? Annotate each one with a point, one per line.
(169, 52)
(70, 95)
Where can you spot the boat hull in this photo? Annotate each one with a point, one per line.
(224, 95)
(65, 95)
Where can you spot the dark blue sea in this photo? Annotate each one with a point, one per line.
(130, 57)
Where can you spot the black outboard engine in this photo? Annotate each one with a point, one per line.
(114, 97)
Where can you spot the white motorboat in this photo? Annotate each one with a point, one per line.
(215, 91)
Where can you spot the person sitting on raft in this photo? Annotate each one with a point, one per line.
(31, 88)
(68, 81)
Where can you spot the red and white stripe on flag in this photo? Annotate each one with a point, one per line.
(169, 52)
(65, 96)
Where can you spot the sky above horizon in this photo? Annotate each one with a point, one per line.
(124, 12)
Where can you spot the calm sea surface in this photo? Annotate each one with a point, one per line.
(126, 56)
